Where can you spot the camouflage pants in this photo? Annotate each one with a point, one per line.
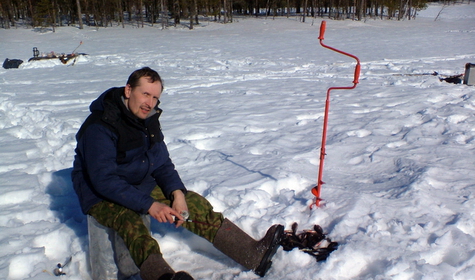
(129, 224)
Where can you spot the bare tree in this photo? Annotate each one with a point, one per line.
(78, 4)
(164, 13)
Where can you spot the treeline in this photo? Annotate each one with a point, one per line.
(103, 13)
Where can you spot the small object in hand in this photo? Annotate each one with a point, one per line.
(185, 215)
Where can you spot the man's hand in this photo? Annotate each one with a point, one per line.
(179, 205)
(163, 213)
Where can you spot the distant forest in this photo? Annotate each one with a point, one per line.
(104, 13)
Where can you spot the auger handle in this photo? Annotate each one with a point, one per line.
(323, 26)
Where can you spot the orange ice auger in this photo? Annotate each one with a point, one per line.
(317, 189)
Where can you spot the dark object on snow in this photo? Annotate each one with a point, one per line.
(419, 74)
(313, 242)
(36, 52)
(457, 79)
(469, 78)
(64, 58)
(12, 63)
(58, 271)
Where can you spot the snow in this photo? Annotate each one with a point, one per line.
(243, 115)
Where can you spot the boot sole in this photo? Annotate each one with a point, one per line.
(182, 275)
(266, 262)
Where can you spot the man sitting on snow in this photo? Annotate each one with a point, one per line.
(122, 169)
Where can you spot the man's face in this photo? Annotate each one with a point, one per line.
(143, 98)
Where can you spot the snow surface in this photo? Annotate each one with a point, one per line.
(243, 112)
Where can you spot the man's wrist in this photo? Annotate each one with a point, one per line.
(177, 193)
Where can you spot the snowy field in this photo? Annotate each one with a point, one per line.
(243, 110)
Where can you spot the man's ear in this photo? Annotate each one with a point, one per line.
(127, 91)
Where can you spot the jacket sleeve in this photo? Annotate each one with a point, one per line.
(98, 146)
(165, 174)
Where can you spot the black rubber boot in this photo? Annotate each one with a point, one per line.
(156, 268)
(252, 254)
(182, 275)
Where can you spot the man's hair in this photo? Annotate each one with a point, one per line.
(147, 72)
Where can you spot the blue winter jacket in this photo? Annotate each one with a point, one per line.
(121, 158)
